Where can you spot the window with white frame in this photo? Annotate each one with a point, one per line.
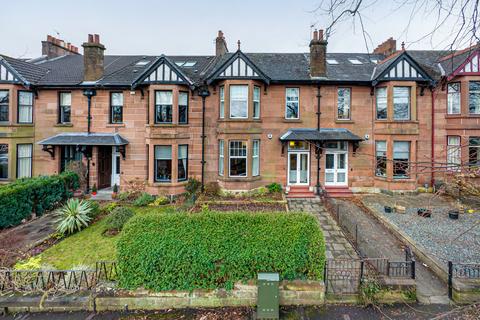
(292, 103)
(24, 160)
(25, 107)
(401, 159)
(182, 172)
(238, 159)
(3, 161)
(4, 102)
(163, 106)
(222, 102)
(256, 102)
(474, 151)
(401, 103)
(343, 103)
(453, 152)
(116, 107)
(238, 101)
(221, 157)
(453, 98)
(474, 97)
(381, 102)
(256, 158)
(65, 107)
(163, 163)
(381, 158)
(183, 107)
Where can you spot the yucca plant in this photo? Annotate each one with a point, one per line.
(74, 215)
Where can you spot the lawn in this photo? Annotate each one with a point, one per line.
(86, 247)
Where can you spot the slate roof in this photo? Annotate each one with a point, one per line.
(123, 70)
(85, 139)
(325, 134)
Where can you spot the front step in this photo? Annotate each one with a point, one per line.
(338, 192)
(300, 192)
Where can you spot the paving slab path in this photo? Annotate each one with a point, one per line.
(376, 241)
(337, 245)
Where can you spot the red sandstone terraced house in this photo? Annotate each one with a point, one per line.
(339, 122)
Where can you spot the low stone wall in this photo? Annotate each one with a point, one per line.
(291, 293)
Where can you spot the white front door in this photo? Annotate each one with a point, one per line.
(298, 168)
(115, 167)
(336, 165)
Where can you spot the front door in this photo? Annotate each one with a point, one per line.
(104, 167)
(336, 168)
(298, 168)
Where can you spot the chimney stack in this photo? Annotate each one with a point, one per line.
(54, 47)
(387, 47)
(93, 58)
(318, 55)
(220, 44)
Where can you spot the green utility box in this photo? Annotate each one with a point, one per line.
(268, 298)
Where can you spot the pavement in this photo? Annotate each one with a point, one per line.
(103, 195)
(376, 241)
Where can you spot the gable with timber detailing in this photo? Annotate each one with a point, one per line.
(404, 68)
(7, 74)
(164, 73)
(471, 65)
(238, 68)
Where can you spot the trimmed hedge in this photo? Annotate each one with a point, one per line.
(19, 199)
(179, 251)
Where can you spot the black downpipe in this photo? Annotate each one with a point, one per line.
(318, 150)
(89, 93)
(204, 93)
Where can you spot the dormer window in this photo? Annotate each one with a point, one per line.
(355, 61)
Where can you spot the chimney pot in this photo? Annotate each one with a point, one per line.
(96, 38)
(315, 35)
(320, 34)
(90, 38)
(220, 44)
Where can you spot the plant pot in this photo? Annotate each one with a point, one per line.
(453, 214)
(387, 209)
(94, 193)
(422, 212)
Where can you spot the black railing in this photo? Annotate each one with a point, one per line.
(461, 271)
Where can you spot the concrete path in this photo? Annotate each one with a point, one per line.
(375, 241)
(103, 195)
(337, 244)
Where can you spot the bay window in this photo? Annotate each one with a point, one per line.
(222, 102)
(238, 159)
(64, 106)
(24, 160)
(453, 98)
(182, 162)
(239, 101)
(3, 161)
(116, 107)
(256, 158)
(163, 106)
(25, 107)
(381, 103)
(4, 99)
(292, 103)
(163, 163)
(183, 107)
(221, 157)
(256, 102)
(474, 97)
(474, 151)
(401, 159)
(453, 152)
(343, 103)
(381, 158)
(401, 103)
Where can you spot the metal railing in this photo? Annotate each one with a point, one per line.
(461, 271)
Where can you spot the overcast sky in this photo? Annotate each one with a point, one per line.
(189, 27)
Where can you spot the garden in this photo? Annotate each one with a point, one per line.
(205, 240)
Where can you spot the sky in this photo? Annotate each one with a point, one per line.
(189, 27)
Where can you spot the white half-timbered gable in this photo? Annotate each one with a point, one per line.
(403, 69)
(163, 73)
(238, 68)
(471, 65)
(7, 74)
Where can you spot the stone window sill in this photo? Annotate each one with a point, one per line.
(344, 121)
(239, 120)
(292, 120)
(239, 179)
(64, 125)
(169, 184)
(397, 121)
(461, 116)
(115, 125)
(167, 125)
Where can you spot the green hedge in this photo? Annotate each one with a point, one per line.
(213, 249)
(20, 198)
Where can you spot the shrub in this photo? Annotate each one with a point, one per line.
(109, 207)
(19, 199)
(143, 200)
(192, 186)
(160, 201)
(212, 189)
(274, 187)
(74, 215)
(119, 216)
(95, 209)
(124, 196)
(180, 251)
